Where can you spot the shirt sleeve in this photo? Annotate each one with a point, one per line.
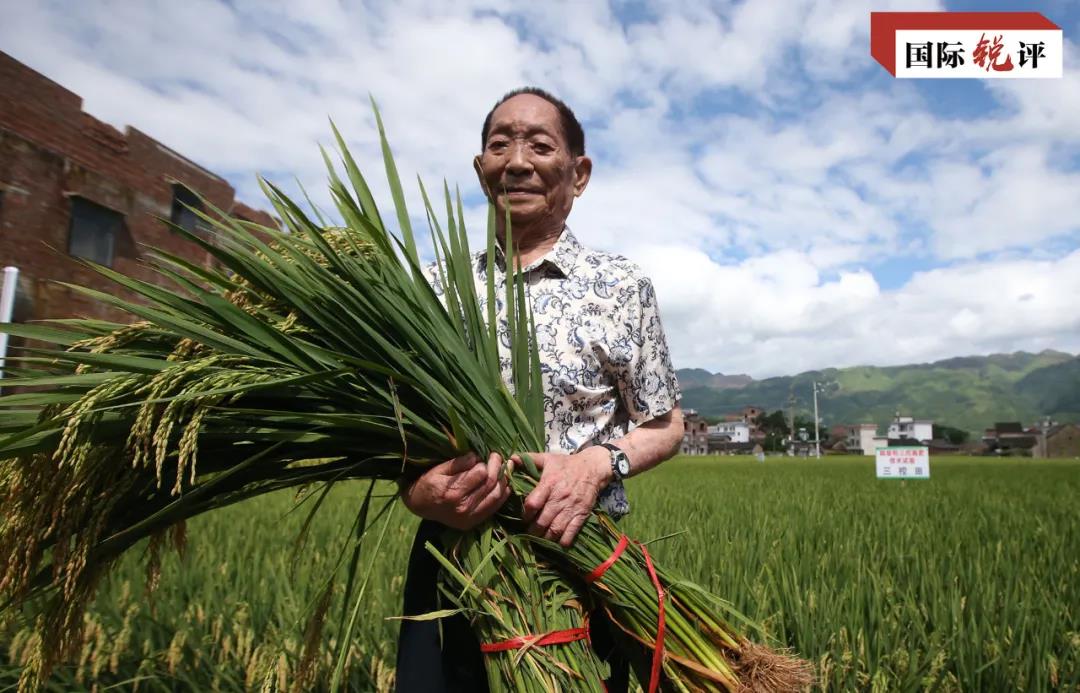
(640, 357)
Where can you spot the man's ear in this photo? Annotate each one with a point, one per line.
(582, 174)
(480, 175)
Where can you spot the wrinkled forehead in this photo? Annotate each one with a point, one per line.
(527, 114)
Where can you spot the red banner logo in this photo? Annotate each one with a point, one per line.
(973, 45)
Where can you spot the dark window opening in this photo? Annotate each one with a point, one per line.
(185, 203)
(94, 230)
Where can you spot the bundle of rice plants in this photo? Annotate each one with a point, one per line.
(531, 619)
(317, 355)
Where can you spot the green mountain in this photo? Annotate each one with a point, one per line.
(699, 377)
(969, 392)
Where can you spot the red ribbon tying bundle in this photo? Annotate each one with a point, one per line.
(658, 646)
(555, 637)
(561, 637)
(599, 570)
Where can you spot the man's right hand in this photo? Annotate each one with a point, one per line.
(460, 493)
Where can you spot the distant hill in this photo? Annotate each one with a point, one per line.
(969, 392)
(699, 377)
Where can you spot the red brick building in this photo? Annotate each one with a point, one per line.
(1062, 440)
(72, 186)
(695, 434)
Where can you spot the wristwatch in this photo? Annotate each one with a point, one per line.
(620, 463)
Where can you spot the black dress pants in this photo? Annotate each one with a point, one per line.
(453, 663)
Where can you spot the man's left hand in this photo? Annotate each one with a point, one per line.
(566, 493)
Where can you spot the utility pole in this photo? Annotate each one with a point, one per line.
(791, 421)
(817, 434)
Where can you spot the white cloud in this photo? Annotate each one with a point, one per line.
(775, 315)
(753, 159)
(1010, 198)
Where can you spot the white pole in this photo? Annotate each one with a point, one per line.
(7, 307)
(817, 435)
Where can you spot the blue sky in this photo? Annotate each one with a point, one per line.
(791, 200)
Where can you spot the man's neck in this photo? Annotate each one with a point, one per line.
(531, 244)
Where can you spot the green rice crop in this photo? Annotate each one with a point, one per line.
(968, 581)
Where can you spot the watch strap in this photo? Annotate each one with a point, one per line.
(616, 453)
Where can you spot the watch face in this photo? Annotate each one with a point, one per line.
(623, 464)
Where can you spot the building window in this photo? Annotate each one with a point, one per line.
(184, 205)
(93, 232)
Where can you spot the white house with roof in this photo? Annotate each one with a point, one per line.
(733, 431)
(864, 438)
(906, 427)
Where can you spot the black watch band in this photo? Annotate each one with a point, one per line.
(620, 463)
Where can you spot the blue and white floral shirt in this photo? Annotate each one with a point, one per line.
(603, 353)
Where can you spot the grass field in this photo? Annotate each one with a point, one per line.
(968, 581)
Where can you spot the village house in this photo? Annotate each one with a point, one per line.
(695, 434)
(863, 439)
(749, 415)
(1059, 440)
(730, 437)
(908, 428)
(1048, 439)
(737, 433)
(731, 431)
(72, 186)
(1009, 438)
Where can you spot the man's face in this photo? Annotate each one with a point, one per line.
(527, 165)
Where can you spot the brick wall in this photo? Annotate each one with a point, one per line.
(50, 152)
(1065, 442)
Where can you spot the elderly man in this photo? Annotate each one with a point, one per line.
(605, 366)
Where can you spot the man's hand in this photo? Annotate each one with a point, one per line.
(460, 493)
(569, 485)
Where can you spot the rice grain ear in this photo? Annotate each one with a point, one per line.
(304, 678)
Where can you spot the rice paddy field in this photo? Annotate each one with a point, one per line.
(969, 581)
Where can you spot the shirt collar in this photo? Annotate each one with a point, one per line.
(562, 256)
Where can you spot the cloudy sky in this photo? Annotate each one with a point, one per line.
(796, 206)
